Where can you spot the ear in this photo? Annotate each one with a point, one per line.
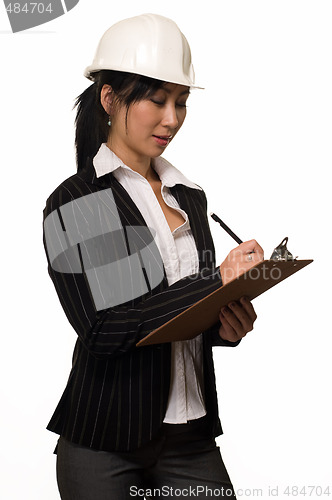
(106, 98)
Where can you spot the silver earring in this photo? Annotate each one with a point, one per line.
(109, 123)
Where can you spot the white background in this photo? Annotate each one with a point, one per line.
(258, 140)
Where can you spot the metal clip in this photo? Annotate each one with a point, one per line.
(281, 252)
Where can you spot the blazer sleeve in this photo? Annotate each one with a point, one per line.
(116, 330)
(216, 340)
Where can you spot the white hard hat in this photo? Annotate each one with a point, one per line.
(148, 45)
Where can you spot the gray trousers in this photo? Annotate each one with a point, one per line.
(182, 462)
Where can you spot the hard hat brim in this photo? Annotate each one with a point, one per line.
(90, 70)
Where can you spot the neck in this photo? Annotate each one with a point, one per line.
(142, 165)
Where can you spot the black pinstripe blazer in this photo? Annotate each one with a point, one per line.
(116, 395)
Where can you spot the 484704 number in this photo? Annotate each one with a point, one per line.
(29, 8)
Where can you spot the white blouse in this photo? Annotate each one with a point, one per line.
(179, 255)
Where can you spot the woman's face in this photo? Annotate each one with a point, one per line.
(151, 124)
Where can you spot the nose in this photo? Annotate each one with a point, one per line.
(170, 117)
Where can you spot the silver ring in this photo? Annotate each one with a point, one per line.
(249, 257)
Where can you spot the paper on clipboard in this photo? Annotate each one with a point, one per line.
(205, 313)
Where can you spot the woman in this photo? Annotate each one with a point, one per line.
(129, 247)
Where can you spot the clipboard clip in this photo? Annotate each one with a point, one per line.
(281, 252)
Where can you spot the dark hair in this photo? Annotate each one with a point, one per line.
(92, 120)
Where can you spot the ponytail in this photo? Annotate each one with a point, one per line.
(91, 125)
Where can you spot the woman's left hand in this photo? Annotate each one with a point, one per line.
(237, 319)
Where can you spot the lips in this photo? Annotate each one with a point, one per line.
(162, 140)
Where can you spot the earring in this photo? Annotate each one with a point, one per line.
(109, 123)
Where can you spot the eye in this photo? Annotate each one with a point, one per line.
(162, 102)
(158, 102)
(181, 105)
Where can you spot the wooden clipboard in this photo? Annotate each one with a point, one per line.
(205, 313)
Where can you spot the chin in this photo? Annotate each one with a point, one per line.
(155, 152)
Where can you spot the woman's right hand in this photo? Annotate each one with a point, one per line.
(240, 260)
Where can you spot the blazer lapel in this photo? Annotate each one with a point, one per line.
(191, 200)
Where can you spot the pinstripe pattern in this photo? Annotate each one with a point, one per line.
(116, 395)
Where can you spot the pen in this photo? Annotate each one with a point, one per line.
(227, 229)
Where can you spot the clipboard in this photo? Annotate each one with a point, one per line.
(205, 313)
